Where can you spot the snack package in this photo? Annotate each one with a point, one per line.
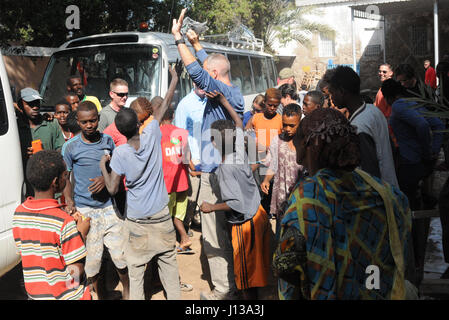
(36, 145)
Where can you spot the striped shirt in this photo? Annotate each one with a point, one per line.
(47, 239)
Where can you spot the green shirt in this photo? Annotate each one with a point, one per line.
(49, 132)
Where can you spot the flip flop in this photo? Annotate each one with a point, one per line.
(186, 250)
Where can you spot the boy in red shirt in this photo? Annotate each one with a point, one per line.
(50, 241)
(175, 157)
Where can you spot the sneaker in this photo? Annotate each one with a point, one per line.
(214, 295)
(185, 287)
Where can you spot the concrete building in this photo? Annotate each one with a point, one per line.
(369, 32)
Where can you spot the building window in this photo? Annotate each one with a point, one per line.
(418, 40)
(373, 50)
(326, 46)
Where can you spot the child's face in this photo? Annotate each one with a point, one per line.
(308, 105)
(88, 122)
(61, 113)
(290, 124)
(271, 105)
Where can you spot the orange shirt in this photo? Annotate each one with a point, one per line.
(382, 104)
(145, 123)
(266, 128)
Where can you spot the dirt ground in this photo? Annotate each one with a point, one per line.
(193, 270)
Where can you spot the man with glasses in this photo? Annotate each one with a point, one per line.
(385, 72)
(119, 94)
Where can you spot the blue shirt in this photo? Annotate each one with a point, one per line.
(84, 160)
(146, 193)
(189, 116)
(246, 116)
(210, 157)
(417, 136)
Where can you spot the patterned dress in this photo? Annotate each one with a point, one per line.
(342, 227)
(281, 160)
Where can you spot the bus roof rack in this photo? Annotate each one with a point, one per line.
(239, 38)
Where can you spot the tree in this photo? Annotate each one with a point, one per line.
(270, 20)
(42, 22)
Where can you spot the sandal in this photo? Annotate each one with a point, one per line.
(185, 287)
(185, 250)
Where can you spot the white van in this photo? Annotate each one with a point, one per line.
(142, 59)
(11, 173)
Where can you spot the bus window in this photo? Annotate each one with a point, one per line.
(139, 65)
(241, 73)
(236, 74)
(271, 74)
(3, 113)
(260, 74)
(183, 87)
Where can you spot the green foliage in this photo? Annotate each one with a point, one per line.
(42, 22)
(270, 20)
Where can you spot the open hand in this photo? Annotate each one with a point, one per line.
(177, 25)
(97, 184)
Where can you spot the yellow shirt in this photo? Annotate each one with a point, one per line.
(94, 100)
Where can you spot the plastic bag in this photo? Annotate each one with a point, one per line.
(198, 27)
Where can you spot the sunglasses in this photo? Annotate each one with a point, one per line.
(383, 71)
(121, 94)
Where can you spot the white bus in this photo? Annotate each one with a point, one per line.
(142, 59)
(11, 173)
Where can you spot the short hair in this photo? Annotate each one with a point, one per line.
(65, 103)
(69, 82)
(273, 93)
(87, 106)
(169, 114)
(406, 70)
(324, 82)
(72, 124)
(43, 167)
(345, 78)
(386, 65)
(292, 109)
(427, 61)
(117, 82)
(392, 88)
(222, 127)
(259, 99)
(126, 122)
(141, 104)
(156, 101)
(317, 97)
(70, 94)
(218, 59)
(288, 89)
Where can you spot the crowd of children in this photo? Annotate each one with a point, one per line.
(124, 177)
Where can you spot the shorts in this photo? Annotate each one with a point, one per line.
(251, 244)
(106, 229)
(177, 204)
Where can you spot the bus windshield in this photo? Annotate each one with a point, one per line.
(97, 66)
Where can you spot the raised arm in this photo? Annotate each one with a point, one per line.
(225, 103)
(159, 112)
(186, 56)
